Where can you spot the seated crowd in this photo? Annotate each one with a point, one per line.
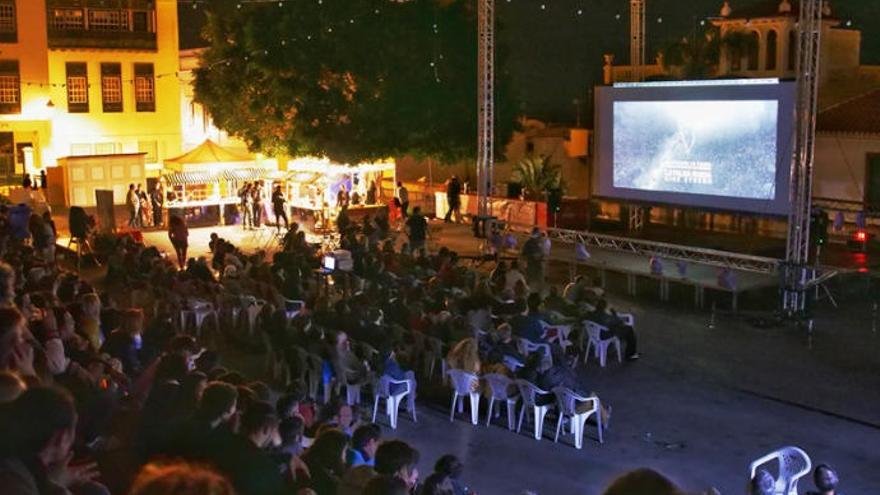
(114, 385)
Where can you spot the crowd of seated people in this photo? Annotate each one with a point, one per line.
(106, 388)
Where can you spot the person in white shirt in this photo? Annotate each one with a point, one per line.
(513, 276)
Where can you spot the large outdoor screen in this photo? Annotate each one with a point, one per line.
(715, 144)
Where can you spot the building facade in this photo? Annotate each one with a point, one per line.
(87, 77)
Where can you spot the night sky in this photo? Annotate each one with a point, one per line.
(555, 55)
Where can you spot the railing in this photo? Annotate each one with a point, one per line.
(74, 25)
(744, 262)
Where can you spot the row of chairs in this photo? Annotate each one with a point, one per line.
(465, 384)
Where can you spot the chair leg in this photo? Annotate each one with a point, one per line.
(587, 352)
(375, 408)
(539, 421)
(599, 425)
(452, 408)
(511, 415)
(603, 354)
(578, 426)
(489, 412)
(392, 411)
(475, 408)
(521, 414)
(558, 427)
(619, 355)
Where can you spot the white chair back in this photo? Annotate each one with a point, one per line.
(463, 382)
(499, 385)
(383, 387)
(594, 330)
(793, 464)
(528, 391)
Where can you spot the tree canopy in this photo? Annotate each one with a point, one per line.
(352, 80)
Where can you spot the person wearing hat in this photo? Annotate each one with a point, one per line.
(826, 481)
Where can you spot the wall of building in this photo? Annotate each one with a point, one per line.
(196, 124)
(128, 131)
(840, 165)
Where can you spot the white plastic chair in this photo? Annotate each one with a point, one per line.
(465, 384)
(529, 391)
(628, 319)
(392, 401)
(793, 464)
(526, 347)
(600, 345)
(499, 390)
(557, 334)
(293, 307)
(568, 402)
(252, 308)
(198, 311)
(434, 352)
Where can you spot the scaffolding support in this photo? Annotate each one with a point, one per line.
(798, 274)
(637, 26)
(486, 107)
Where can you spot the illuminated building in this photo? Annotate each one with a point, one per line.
(87, 77)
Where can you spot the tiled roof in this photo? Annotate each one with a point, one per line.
(859, 115)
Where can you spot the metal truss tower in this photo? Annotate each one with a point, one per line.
(637, 28)
(798, 274)
(486, 106)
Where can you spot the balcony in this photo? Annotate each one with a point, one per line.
(102, 24)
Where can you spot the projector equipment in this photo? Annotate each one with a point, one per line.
(340, 260)
(80, 222)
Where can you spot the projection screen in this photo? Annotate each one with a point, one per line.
(723, 144)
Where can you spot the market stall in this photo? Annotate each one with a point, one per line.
(316, 187)
(203, 184)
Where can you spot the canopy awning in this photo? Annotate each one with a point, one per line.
(207, 153)
(209, 177)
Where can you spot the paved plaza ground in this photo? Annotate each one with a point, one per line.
(699, 406)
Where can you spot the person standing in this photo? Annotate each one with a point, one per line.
(134, 207)
(453, 198)
(247, 206)
(342, 197)
(157, 198)
(533, 252)
(43, 183)
(146, 207)
(403, 198)
(279, 208)
(257, 195)
(178, 233)
(417, 228)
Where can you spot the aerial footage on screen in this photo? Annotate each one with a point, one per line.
(709, 147)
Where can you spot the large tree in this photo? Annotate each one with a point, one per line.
(349, 79)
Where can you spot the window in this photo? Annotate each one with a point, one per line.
(770, 62)
(67, 19)
(140, 21)
(10, 87)
(77, 87)
(144, 88)
(872, 182)
(8, 29)
(792, 49)
(107, 148)
(111, 87)
(80, 149)
(754, 50)
(151, 148)
(108, 20)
